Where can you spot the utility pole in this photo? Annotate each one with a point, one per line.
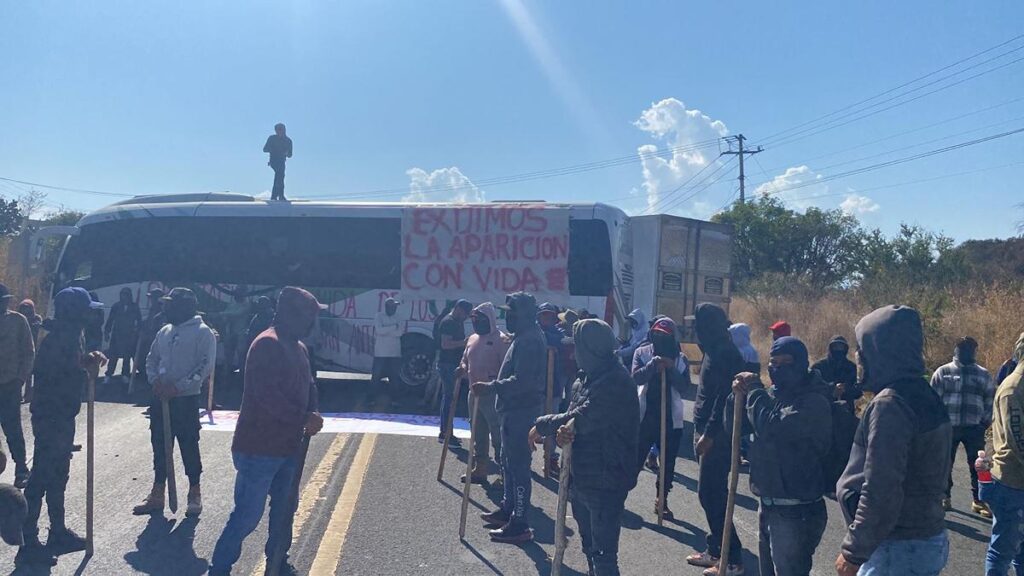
(739, 138)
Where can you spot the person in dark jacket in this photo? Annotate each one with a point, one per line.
(1010, 365)
(152, 324)
(61, 369)
(279, 146)
(713, 443)
(892, 489)
(839, 373)
(27, 308)
(605, 415)
(94, 326)
(661, 354)
(520, 388)
(122, 332)
(279, 407)
(547, 319)
(787, 458)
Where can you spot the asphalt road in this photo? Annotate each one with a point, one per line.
(371, 506)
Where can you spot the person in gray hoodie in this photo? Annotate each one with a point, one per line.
(892, 489)
(520, 388)
(180, 360)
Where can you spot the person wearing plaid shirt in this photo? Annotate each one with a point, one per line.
(967, 390)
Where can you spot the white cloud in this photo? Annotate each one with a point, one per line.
(858, 205)
(441, 185)
(784, 186)
(674, 126)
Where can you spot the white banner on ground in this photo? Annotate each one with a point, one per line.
(352, 423)
(474, 252)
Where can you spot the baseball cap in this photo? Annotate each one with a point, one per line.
(664, 325)
(156, 293)
(392, 301)
(13, 510)
(548, 307)
(180, 295)
(76, 298)
(464, 304)
(781, 328)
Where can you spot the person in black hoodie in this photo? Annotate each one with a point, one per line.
(722, 362)
(892, 489)
(520, 387)
(606, 415)
(787, 458)
(839, 373)
(61, 369)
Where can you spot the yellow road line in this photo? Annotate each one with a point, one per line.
(313, 493)
(328, 556)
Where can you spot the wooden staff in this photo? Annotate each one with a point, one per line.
(663, 450)
(450, 426)
(172, 487)
(474, 414)
(549, 409)
(563, 497)
(90, 460)
(209, 395)
(738, 403)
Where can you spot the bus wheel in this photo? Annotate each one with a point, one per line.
(417, 362)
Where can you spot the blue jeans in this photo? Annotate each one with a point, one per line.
(257, 477)
(447, 375)
(1007, 505)
(599, 516)
(908, 557)
(515, 463)
(788, 536)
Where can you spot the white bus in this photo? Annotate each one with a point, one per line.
(353, 256)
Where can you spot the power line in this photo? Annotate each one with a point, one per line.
(680, 201)
(664, 197)
(64, 189)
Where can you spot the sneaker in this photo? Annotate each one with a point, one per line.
(455, 442)
(64, 541)
(702, 559)
(947, 504)
(553, 467)
(497, 518)
(34, 554)
(510, 534)
(474, 479)
(666, 513)
(730, 570)
(21, 474)
(652, 462)
(153, 504)
(981, 509)
(195, 502)
(285, 568)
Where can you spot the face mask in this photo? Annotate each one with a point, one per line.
(481, 325)
(865, 373)
(178, 313)
(510, 320)
(966, 356)
(785, 377)
(664, 345)
(838, 353)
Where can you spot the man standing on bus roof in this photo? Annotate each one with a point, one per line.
(387, 347)
(279, 146)
(453, 345)
(17, 352)
(180, 361)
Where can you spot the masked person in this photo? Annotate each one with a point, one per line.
(17, 353)
(891, 491)
(605, 413)
(122, 332)
(839, 372)
(180, 361)
(967, 391)
(740, 334)
(452, 331)
(661, 354)
(279, 407)
(485, 350)
(787, 458)
(61, 370)
(713, 443)
(637, 334)
(387, 347)
(547, 319)
(520, 388)
(27, 308)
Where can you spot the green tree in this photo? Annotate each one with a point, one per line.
(10, 217)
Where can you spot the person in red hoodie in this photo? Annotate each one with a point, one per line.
(279, 407)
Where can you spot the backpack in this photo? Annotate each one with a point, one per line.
(844, 429)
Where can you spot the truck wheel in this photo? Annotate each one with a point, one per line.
(417, 361)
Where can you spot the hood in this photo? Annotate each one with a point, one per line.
(838, 340)
(711, 325)
(740, 334)
(638, 334)
(28, 305)
(793, 347)
(1018, 349)
(297, 310)
(487, 309)
(891, 343)
(595, 345)
(524, 311)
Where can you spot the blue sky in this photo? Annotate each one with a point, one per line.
(407, 97)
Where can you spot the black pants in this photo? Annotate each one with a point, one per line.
(650, 434)
(277, 193)
(51, 464)
(185, 427)
(389, 368)
(713, 492)
(973, 439)
(599, 516)
(126, 364)
(10, 420)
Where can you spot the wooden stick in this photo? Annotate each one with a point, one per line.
(663, 449)
(450, 427)
(739, 402)
(563, 498)
(474, 414)
(548, 409)
(209, 396)
(172, 488)
(90, 462)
